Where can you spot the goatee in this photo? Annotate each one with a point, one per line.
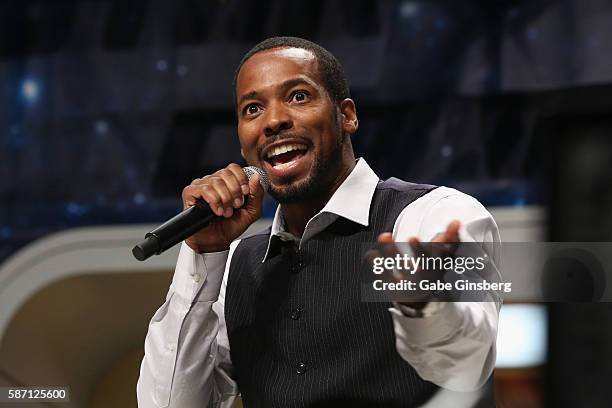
(316, 183)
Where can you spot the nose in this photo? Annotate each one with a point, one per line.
(277, 120)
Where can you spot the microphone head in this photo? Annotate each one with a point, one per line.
(250, 171)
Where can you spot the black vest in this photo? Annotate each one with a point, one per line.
(299, 334)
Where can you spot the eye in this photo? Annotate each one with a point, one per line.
(251, 109)
(299, 96)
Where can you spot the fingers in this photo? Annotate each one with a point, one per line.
(385, 238)
(417, 248)
(387, 249)
(241, 177)
(446, 243)
(254, 202)
(451, 234)
(452, 231)
(226, 190)
(387, 275)
(371, 255)
(223, 190)
(386, 244)
(202, 189)
(442, 245)
(255, 188)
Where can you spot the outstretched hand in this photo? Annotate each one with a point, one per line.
(443, 244)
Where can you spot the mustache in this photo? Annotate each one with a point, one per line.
(284, 136)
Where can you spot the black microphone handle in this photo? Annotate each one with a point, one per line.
(187, 223)
(175, 230)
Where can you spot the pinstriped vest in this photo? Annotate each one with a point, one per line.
(299, 334)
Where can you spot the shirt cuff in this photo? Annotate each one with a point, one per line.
(446, 320)
(430, 309)
(199, 275)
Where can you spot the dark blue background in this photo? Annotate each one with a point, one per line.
(108, 108)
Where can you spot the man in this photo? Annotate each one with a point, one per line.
(277, 316)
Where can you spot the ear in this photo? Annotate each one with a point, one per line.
(350, 124)
(242, 153)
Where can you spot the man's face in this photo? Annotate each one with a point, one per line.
(287, 123)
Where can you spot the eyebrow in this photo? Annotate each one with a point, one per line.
(287, 84)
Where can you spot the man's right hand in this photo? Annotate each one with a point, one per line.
(225, 192)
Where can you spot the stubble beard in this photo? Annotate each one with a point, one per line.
(316, 184)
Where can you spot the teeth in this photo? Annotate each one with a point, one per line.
(284, 149)
(283, 166)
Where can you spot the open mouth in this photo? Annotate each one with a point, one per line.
(285, 156)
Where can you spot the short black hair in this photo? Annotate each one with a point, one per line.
(331, 71)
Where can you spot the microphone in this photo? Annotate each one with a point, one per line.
(185, 224)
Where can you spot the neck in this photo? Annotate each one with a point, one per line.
(297, 215)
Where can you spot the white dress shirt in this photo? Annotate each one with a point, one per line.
(187, 358)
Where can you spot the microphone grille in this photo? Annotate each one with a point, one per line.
(250, 171)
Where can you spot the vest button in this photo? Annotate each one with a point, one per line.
(301, 368)
(296, 313)
(298, 262)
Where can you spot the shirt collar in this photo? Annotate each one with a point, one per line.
(351, 200)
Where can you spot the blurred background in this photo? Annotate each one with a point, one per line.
(109, 108)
